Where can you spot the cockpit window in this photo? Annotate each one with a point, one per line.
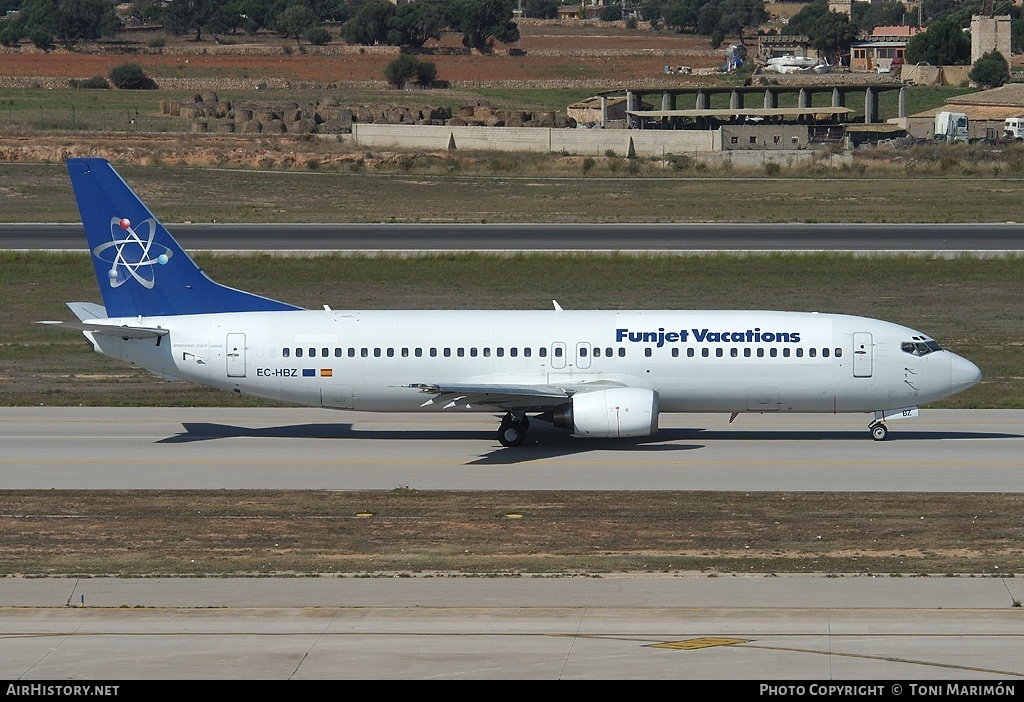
(919, 347)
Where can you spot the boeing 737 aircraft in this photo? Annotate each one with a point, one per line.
(595, 373)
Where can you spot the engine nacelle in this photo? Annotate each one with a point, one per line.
(610, 413)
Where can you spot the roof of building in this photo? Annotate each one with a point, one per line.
(745, 112)
(898, 31)
(1009, 95)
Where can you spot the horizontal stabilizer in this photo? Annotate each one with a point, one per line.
(124, 331)
(88, 310)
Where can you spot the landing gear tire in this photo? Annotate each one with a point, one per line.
(879, 432)
(512, 431)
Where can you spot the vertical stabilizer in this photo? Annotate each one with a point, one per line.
(140, 268)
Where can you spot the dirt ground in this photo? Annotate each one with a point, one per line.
(545, 53)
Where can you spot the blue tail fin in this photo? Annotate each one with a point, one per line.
(141, 269)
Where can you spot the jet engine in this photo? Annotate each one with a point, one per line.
(610, 413)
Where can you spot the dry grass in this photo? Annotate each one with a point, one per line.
(149, 533)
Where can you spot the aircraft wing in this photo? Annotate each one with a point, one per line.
(500, 396)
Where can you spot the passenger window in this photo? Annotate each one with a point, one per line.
(675, 352)
(812, 352)
(337, 352)
(391, 352)
(418, 352)
(460, 352)
(433, 352)
(647, 352)
(719, 352)
(286, 352)
(376, 352)
(689, 352)
(542, 352)
(405, 353)
(351, 353)
(312, 353)
(558, 352)
(799, 353)
(622, 352)
(499, 352)
(839, 352)
(608, 352)
(597, 352)
(527, 352)
(583, 352)
(824, 353)
(325, 352)
(773, 352)
(487, 352)
(760, 352)
(447, 352)
(785, 353)
(364, 352)
(705, 353)
(298, 353)
(472, 351)
(734, 352)
(746, 353)
(513, 352)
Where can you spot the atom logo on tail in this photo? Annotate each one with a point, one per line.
(132, 254)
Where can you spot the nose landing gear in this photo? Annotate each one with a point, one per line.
(512, 431)
(879, 431)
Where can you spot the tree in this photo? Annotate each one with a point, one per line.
(868, 15)
(369, 24)
(832, 34)
(414, 23)
(403, 68)
(540, 9)
(295, 21)
(991, 70)
(681, 15)
(185, 16)
(130, 76)
(725, 18)
(482, 22)
(942, 44)
(807, 17)
(65, 21)
(610, 13)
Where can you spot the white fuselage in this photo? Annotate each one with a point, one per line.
(695, 361)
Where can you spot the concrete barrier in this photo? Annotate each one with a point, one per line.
(591, 142)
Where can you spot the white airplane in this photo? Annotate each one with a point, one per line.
(596, 373)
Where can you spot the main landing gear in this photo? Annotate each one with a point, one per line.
(512, 431)
(878, 431)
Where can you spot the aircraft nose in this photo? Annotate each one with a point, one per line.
(963, 374)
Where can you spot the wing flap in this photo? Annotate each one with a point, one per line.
(523, 398)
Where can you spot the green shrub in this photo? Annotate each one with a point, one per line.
(94, 83)
(130, 76)
(318, 36)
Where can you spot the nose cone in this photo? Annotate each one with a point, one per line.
(963, 374)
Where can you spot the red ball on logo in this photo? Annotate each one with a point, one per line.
(125, 223)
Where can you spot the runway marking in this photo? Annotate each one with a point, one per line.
(892, 659)
(694, 644)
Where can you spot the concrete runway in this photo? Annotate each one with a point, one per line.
(659, 626)
(215, 448)
(807, 628)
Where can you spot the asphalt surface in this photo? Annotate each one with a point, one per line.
(305, 238)
(246, 448)
(804, 628)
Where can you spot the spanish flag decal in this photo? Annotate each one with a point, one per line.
(326, 372)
